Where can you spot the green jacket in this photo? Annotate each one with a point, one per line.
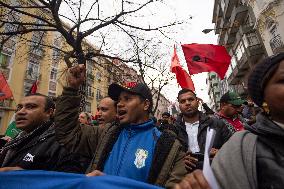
(96, 143)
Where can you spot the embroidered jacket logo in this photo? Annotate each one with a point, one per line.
(29, 157)
(141, 156)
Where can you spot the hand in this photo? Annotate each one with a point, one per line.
(7, 138)
(200, 100)
(4, 169)
(76, 76)
(213, 152)
(194, 180)
(190, 162)
(95, 173)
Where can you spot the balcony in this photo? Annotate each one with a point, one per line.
(276, 44)
(240, 89)
(216, 91)
(238, 16)
(255, 51)
(215, 83)
(229, 38)
(251, 56)
(247, 28)
(230, 4)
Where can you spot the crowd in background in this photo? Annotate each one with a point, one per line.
(124, 139)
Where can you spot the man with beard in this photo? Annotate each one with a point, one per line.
(36, 147)
(191, 127)
(106, 111)
(132, 148)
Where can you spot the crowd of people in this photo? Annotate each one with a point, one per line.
(126, 140)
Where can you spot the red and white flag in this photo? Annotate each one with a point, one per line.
(5, 91)
(183, 78)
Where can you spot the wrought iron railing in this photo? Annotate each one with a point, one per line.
(276, 43)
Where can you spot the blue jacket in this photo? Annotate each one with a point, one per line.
(132, 153)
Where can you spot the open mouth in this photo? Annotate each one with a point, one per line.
(121, 114)
(100, 120)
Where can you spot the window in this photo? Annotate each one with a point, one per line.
(251, 39)
(233, 62)
(55, 54)
(90, 91)
(98, 95)
(51, 94)
(33, 70)
(52, 86)
(4, 60)
(240, 50)
(98, 76)
(57, 39)
(53, 74)
(88, 107)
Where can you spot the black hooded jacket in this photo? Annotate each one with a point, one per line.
(222, 132)
(39, 150)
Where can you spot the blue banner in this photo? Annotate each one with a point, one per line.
(59, 180)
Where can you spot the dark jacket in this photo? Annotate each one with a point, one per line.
(269, 153)
(39, 150)
(167, 167)
(252, 158)
(222, 132)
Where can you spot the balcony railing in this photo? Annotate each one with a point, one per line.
(276, 43)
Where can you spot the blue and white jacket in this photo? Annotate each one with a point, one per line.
(133, 152)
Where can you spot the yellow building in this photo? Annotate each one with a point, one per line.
(25, 63)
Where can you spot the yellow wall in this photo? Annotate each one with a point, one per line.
(18, 72)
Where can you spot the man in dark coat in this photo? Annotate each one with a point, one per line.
(36, 147)
(191, 126)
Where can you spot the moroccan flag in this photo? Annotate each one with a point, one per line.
(5, 91)
(12, 131)
(183, 78)
(206, 58)
(34, 87)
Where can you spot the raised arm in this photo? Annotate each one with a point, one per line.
(75, 137)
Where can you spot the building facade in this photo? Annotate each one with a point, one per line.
(270, 23)
(163, 103)
(235, 23)
(214, 90)
(31, 61)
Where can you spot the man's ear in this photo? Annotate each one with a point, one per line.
(50, 112)
(146, 104)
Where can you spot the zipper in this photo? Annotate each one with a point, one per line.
(129, 135)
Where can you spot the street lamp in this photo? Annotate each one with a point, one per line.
(235, 24)
(207, 30)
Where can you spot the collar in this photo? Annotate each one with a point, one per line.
(202, 118)
(223, 116)
(142, 126)
(279, 124)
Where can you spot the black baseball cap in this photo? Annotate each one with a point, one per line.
(140, 89)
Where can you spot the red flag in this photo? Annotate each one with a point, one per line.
(183, 78)
(34, 87)
(206, 58)
(5, 91)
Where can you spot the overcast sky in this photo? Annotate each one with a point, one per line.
(157, 14)
(202, 11)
